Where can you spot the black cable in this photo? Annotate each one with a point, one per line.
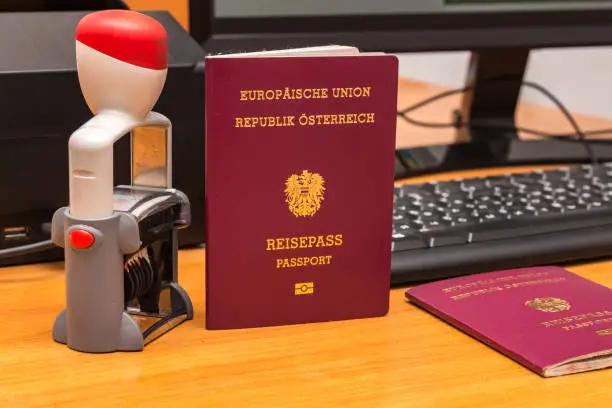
(429, 124)
(26, 249)
(566, 137)
(567, 115)
(458, 124)
(432, 99)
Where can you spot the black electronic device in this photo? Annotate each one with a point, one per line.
(465, 226)
(40, 106)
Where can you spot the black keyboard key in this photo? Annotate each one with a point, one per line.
(555, 207)
(445, 238)
(429, 215)
(499, 181)
(431, 225)
(557, 175)
(399, 217)
(407, 242)
(449, 187)
(404, 190)
(416, 224)
(535, 193)
(477, 183)
(489, 216)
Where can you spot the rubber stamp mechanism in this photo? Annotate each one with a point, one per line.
(120, 243)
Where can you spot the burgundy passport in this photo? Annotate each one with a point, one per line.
(299, 188)
(548, 319)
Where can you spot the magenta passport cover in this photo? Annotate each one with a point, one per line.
(299, 188)
(546, 318)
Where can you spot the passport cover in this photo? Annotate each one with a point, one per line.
(299, 188)
(550, 320)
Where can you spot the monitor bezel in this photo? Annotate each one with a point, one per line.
(404, 33)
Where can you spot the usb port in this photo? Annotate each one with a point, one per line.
(15, 233)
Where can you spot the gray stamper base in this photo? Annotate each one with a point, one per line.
(130, 337)
(95, 320)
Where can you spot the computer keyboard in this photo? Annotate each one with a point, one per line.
(468, 226)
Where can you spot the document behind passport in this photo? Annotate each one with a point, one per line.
(548, 319)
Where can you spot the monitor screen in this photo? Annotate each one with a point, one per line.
(284, 8)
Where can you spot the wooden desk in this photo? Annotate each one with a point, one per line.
(407, 359)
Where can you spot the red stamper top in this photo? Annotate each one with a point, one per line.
(126, 35)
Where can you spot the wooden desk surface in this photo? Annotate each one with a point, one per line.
(407, 359)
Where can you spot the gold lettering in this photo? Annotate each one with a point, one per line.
(266, 121)
(320, 241)
(311, 241)
(370, 118)
(356, 92)
(279, 243)
(271, 245)
(302, 261)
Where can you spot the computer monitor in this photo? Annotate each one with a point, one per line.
(499, 33)
(399, 25)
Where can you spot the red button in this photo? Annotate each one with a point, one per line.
(81, 239)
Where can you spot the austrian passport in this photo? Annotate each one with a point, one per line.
(550, 320)
(300, 160)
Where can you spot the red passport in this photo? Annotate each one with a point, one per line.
(299, 186)
(548, 319)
